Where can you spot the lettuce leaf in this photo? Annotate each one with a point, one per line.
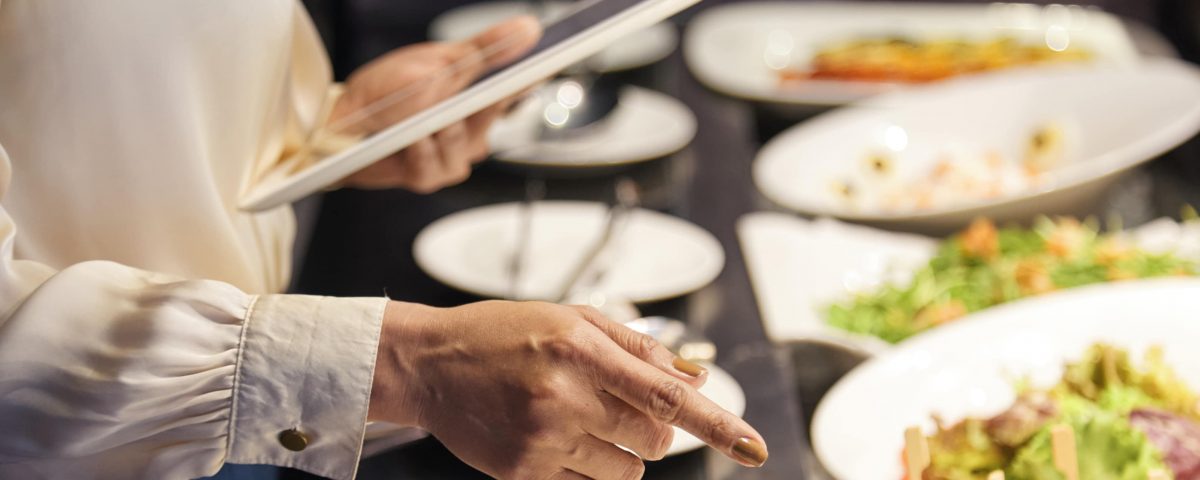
(1109, 447)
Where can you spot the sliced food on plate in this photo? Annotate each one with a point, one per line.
(1127, 420)
(907, 59)
(958, 174)
(829, 53)
(1097, 383)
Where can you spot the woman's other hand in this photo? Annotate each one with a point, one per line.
(410, 79)
(542, 391)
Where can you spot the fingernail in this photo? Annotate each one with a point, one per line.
(688, 368)
(750, 452)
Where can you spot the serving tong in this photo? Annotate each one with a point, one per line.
(588, 272)
(627, 200)
(535, 191)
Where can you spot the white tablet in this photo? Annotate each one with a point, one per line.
(593, 25)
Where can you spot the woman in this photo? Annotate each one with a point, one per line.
(128, 129)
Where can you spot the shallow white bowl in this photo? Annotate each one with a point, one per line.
(727, 47)
(1113, 118)
(968, 368)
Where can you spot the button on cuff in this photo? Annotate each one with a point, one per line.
(306, 363)
(293, 439)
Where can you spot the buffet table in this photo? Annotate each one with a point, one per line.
(362, 246)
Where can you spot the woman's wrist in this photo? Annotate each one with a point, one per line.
(396, 382)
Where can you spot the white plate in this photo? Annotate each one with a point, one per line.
(726, 47)
(646, 125)
(638, 49)
(968, 368)
(656, 256)
(1113, 119)
(799, 267)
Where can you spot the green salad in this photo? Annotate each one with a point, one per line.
(984, 266)
(1127, 421)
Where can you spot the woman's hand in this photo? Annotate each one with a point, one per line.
(413, 78)
(543, 391)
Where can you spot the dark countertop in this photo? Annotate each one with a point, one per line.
(362, 246)
(362, 242)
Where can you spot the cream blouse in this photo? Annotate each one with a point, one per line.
(141, 336)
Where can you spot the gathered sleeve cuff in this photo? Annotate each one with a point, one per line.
(129, 374)
(305, 375)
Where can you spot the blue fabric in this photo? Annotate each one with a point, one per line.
(246, 472)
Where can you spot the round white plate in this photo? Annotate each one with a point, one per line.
(645, 125)
(969, 368)
(637, 50)
(656, 256)
(728, 47)
(1113, 119)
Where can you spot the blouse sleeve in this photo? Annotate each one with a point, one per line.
(107, 371)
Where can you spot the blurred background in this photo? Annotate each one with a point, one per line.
(358, 30)
(362, 242)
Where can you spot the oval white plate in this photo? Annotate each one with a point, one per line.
(646, 125)
(968, 368)
(1114, 119)
(657, 256)
(726, 47)
(638, 50)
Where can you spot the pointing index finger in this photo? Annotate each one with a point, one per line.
(670, 400)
